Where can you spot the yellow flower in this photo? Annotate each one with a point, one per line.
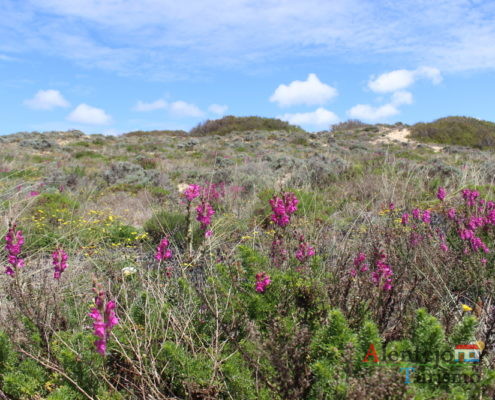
(466, 308)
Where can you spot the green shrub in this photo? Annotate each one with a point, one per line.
(88, 154)
(230, 124)
(462, 131)
(174, 224)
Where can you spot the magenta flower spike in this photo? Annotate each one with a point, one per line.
(204, 212)
(262, 282)
(192, 192)
(14, 242)
(304, 252)
(441, 194)
(163, 251)
(59, 262)
(104, 319)
(283, 208)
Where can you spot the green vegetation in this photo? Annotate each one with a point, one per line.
(155, 133)
(230, 124)
(259, 264)
(461, 131)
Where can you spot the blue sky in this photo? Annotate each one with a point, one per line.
(112, 66)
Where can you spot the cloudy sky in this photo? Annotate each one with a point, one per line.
(111, 66)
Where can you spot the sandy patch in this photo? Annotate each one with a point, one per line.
(402, 136)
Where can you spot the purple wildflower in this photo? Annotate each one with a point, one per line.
(104, 319)
(441, 194)
(426, 217)
(304, 251)
(162, 251)
(192, 192)
(14, 241)
(405, 219)
(59, 262)
(470, 196)
(262, 282)
(283, 208)
(451, 213)
(383, 273)
(204, 213)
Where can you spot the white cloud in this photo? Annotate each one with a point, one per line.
(402, 97)
(369, 113)
(321, 117)
(159, 104)
(162, 39)
(182, 109)
(47, 100)
(403, 78)
(85, 114)
(309, 92)
(218, 109)
(392, 81)
(433, 74)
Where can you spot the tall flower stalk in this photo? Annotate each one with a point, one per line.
(104, 319)
(14, 242)
(59, 262)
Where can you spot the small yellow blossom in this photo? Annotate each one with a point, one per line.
(466, 308)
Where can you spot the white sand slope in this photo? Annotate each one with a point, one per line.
(401, 135)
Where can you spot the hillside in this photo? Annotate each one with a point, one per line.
(462, 131)
(244, 263)
(230, 123)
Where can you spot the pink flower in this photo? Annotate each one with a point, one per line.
(466, 234)
(59, 262)
(14, 242)
(213, 191)
(451, 213)
(304, 251)
(444, 247)
(262, 282)
(441, 193)
(104, 319)
(283, 208)
(475, 222)
(192, 192)
(405, 219)
(426, 217)
(162, 250)
(415, 238)
(101, 346)
(416, 213)
(204, 212)
(470, 196)
(33, 193)
(359, 259)
(383, 273)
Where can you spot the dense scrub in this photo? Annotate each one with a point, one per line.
(252, 266)
(461, 131)
(231, 123)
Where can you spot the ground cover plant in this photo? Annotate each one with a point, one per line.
(266, 264)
